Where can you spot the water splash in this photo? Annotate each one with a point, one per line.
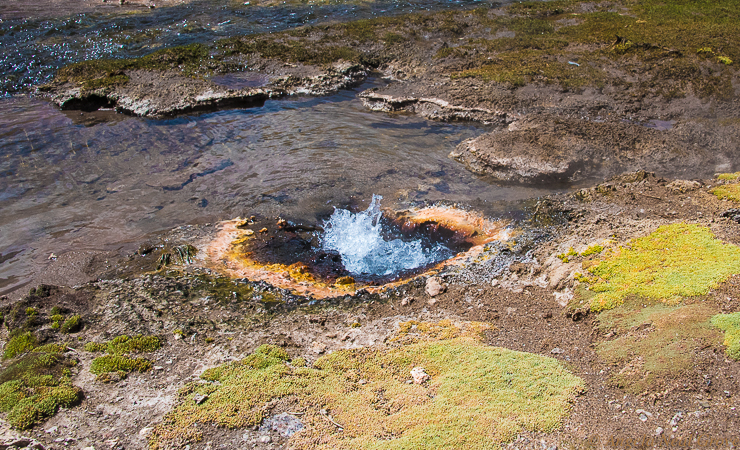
(359, 239)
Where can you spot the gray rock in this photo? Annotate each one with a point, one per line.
(434, 287)
(200, 398)
(285, 424)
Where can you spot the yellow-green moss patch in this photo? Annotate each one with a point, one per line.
(728, 192)
(676, 261)
(654, 342)
(19, 343)
(117, 360)
(728, 176)
(125, 344)
(730, 324)
(34, 386)
(478, 396)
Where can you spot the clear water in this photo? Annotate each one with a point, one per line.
(67, 186)
(37, 38)
(360, 239)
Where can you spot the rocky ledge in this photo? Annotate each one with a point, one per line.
(168, 93)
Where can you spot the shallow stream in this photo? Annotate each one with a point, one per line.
(65, 185)
(105, 181)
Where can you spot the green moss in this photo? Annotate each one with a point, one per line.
(565, 257)
(71, 325)
(35, 386)
(728, 176)
(119, 363)
(56, 321)
(674, 262)
(728, 192)
(724, 60)
(655, 342)
(593, 250)
(730, 324)
(125, 344)
(192, 60)
(658, 39)
(18, 344)
(96, 347)
(55, 310)
(478, 396)
(32, 312)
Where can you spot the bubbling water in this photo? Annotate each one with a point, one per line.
(359, 239)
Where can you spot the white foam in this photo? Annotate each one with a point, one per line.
(358, 239)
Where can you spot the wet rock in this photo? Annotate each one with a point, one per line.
(548, 150)
(733, 214)
(419, 375)
(434, 287)
(285, 424)
(343, 281)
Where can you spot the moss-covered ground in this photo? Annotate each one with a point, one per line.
(674, 262)
(654, 342)
(646, 295)
(36, 383)
(478, 396)
(677, 48)
(117, 359)
(730, 324)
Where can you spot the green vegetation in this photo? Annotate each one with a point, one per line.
(477, 396)
(657, 38)
(591, 250)
(678, 47)
(730, 324)
(72, 325)
(56, 321)
(125, 344)
(119, 363)
(181, 254)
(117, 360)
(728, 192)
(728, 176)
(675, 261)
(565, 257)
(19, 343)
(36, 385)
(192, 60)
(645, 294)
(655, 342)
